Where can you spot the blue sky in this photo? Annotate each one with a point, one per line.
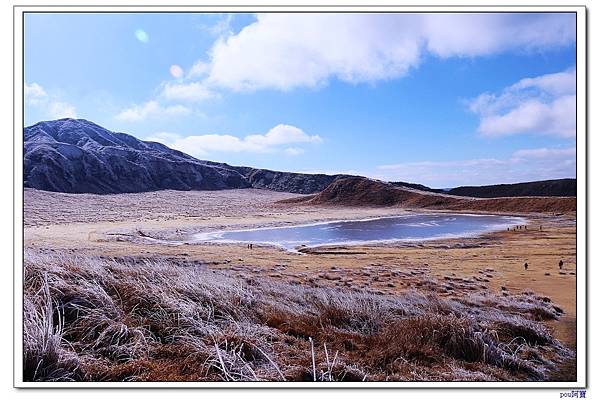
(438, 99)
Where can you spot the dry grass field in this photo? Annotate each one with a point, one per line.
(114, 290)
(89, 318)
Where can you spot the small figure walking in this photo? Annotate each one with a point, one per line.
(526, 266)
(560, 264)
(540, 228)
(250, 246)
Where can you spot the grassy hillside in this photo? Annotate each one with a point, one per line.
(369, 192)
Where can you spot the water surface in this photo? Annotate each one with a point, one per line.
(411, 227)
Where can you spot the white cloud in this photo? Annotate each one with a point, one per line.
(34, 93)
(285, 51)
(543, 105)
(443, 164)
(523, 165)
(468, 35)
(200, 68)
(192, 91)
(334, 172)
(60, 109)
(164, 137)
(222, 26)
(557, 84)
(151, 109)
(277, 139)
(545, 153)
(170, 92)
(51, 107)
(282, 134)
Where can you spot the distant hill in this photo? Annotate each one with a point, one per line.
(418, 187)
(364, 192)
(555, 187)
(78, 156)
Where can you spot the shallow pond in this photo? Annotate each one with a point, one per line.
(410, 227)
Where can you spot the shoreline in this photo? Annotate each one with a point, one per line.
(217, 236)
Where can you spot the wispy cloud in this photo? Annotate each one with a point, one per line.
(277, 139)
(34, 93)
(522, 165)
(171, 93)
(541, 105)
(187, 91)
(59, 109)
(545, 153)
(223, 26)
(53, 108)
(151, 110)
(470, 35)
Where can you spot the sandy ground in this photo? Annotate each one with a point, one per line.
(125, 225)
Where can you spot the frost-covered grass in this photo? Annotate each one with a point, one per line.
(98, 319)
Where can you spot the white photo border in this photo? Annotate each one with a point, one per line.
(581, 175)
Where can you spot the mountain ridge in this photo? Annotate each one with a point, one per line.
(79, 156)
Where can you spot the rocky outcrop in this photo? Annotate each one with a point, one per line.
(290, 181)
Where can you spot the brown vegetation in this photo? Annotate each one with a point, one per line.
(368, 192)
(104, 319)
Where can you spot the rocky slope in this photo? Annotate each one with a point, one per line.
(78, 156)
(358, 192)
(291, 182)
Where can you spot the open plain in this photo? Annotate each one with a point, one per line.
(158, 227)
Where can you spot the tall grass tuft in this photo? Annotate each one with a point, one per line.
(45, 357)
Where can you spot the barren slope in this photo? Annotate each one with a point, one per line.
(367, 192)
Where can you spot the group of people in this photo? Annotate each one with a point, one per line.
(520, 227)
(560, 265)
